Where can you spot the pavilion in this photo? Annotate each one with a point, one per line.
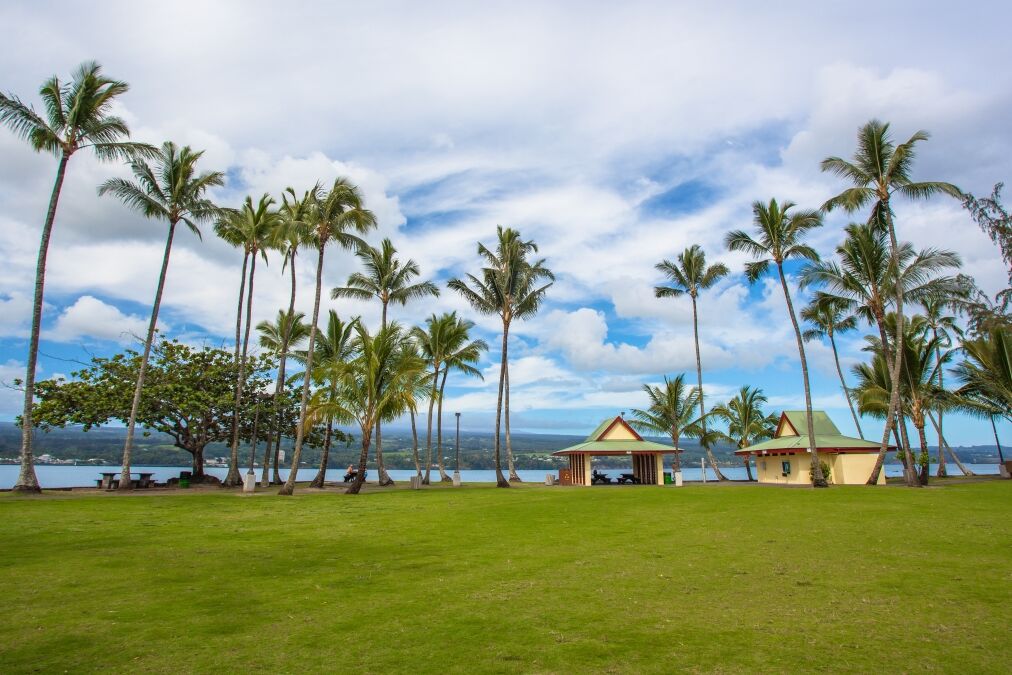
(785, 458)
(615, 437)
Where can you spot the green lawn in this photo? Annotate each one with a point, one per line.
(705, 578)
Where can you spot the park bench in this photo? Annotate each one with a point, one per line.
(600, 478)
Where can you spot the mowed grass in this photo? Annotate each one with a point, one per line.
(536, 579)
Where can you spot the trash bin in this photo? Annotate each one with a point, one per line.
(667, 478)
(184, 479)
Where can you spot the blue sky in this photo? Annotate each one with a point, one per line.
(613, 136)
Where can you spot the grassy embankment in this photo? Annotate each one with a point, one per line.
(532, 579)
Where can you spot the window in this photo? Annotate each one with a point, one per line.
(786, 466)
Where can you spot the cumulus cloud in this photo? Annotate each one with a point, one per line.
(89, 317)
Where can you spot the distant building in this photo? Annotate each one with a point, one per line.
(785, 458)
(614, 437)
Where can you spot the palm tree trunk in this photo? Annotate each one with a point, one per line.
(942, 471)
(997, 443)
(27, 480)
(513, 476)
(428, 428)
(264, 477)
(894, 375)
(289, 487)
(818, 480)
(699, 381)
(676, 461)
(843, 383)
(748, 467)
(321, 475)
(414, 445)
(908, 453)
(500, 480)
(889, 420)
(925, 469)
(125, 483)
(363, 458)
(945, 444)
(384, 477)
(232, 478)
(443, 477)
(279, 390)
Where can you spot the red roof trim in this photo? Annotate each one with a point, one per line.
(784, 420)
(602, 453)
(800, 451)
(618, 420)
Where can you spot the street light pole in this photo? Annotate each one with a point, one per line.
(456, 473)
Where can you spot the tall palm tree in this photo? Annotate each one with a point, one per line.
(172, 190)
(390, 280)
(943, 326)
(746, 422)
(252, 228)
(689, 276)
(331, 217)
(461, 354)
(864, 278)
(432, 342)
(919, 392)
(672, 411)
(378, 383)
(287, 331)
(986, 374)
(828, 316)
(291, 232)
(879, 170)
(781, 238)
(77, 117)
(335, 345)
(511, 287)
(420, 385)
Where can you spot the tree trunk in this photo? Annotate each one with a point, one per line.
(321, 475)
(908, 453)
(125, 483)
(890, 411)
(942, 470)
(27, 480)
(997, 443)
(428, 428)
(924, 460)
(198, 464)
(843, 383)
(511, 467)
(439, 429)
(286, 340)
(748, 467)
(414, 445)
(699, 381)
(384, 477)
(232, 478)
(945, 444)
(234, 429)
(676, 461)
(500, 480)
(265, 472)
(289, 487)
(894, 375)
(818, 480)
(363, 458)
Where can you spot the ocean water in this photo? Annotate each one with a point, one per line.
(54, 476)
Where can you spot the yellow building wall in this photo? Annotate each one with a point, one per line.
(618, 433)
(660, 468)
(847, 468)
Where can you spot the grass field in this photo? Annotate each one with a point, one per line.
(739, 578)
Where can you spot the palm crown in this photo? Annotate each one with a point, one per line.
(746, 422)
(385, 277)
(780, 236)
(690, 274)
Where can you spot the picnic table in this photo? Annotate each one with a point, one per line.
(108, 480)
(601, 478)
(628, 478)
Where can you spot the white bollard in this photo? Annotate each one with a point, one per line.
(249, 486)
(456, 479)
(549, 479)
(416, 483)
(678, 479)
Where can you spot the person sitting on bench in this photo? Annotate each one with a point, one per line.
(599, 477)
(353, 473)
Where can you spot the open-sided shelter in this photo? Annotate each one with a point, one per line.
(615, 437)
(785, 458)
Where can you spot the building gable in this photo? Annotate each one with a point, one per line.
(618, 430)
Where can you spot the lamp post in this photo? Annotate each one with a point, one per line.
(456, 473)
(251, 482)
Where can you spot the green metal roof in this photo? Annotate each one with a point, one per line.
(600, 429)
(827, 436)
(615, 447)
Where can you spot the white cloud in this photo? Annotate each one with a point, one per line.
(89, 317)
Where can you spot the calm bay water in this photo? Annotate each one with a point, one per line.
(53, 476)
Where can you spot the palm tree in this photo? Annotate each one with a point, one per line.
(690, 275)
(173, 191)
(331, 216)
(78, 117)
(781, 238)
(432, 341)
(943, 326)
(334, 346)
(672, 411)
(378, 383)
(508, 287)
(420, 385)
(864, 278)
(986, 373)
(918, 391)
(746, 422)
(389, 280)
(287, 331)
(291, 233)
(251, 228)
(880, 169)
(827, 315)
(461, 353)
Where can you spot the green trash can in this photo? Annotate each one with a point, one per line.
(184, 479)
(667, 478)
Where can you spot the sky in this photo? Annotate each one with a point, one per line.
(613, 134)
